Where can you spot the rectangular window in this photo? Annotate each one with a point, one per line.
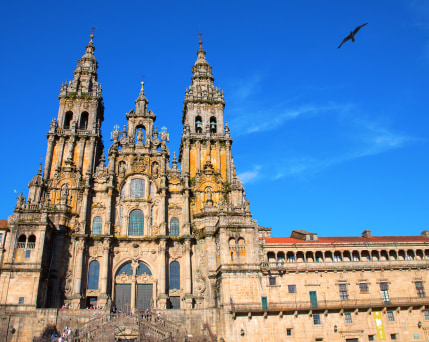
(385, 292)
(343, 292)
(416, 336)
(363, 287)
(420, 289)
(313, 299)
(27, 253)
(137, 188)
(21, 300)
(272, 281)
(316, 319)
(264, 303)
(426, 313)
(1, 239)
(370, 337)
(291, 288)
(393, 336)
(288, 332)
(390, 316)
(348, 317)
(319, 339)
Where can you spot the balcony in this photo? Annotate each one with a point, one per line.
(334, 305)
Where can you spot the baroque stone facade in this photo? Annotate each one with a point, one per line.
(137, 232)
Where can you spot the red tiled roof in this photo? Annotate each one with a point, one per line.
(3, 223)
(348, 239)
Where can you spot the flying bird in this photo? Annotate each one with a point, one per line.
(352, 35)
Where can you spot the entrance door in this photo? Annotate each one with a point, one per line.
(144, 296)
(313, 299)
(123, 297)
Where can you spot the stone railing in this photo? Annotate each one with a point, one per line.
(342, 265)
(350, 304)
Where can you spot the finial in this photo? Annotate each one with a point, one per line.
(39, 172)
(174, 157)
(141, 90)
(92, 33)
(200, 42)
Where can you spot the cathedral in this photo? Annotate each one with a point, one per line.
(137, 232)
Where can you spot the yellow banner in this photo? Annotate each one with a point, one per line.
(379, 325)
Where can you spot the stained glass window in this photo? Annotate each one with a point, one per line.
(136, 222)
(143, 269)
(137, 188)
(93, 274)
(97, 223)
(174, 275)
(174, 226)
(127, 269)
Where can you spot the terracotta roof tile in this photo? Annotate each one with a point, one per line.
(348, 239)
(3, 223)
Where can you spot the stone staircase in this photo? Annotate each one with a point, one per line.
(137, 328)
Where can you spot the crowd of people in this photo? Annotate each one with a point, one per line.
(65, 335)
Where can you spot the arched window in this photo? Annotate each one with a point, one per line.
(142, 268)
(22, 240)
(136, 222)
(174, 275)
(198, 124)
(97, 223)
(123, 192)
(83, 124)
(213, 124)
(174, 226)
(31, 243)
(68, 120)
(126, 269)
(93, 275)
(137, 188)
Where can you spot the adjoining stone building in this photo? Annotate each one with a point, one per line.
(138, 232)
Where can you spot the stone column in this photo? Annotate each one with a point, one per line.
(218, 162)
(185, 159)
(104, 273)
(162, 224)
(162, 299)
(83, 210)
(228, 161)
(188, 275)
(60, 153)
(80, 247)
(133, 294)
(82, 153)
(91, 155)
(49, 154)
(185, 213)
(198, 145)
(108, 217)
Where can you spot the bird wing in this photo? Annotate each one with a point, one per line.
(344, 40)
(358, 28)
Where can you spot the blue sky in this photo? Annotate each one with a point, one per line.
(329, 140)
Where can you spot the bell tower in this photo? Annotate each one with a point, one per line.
(74, 137)
(206, 138)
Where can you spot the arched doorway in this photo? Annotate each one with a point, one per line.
(134, 287)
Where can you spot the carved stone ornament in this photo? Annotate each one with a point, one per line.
(101, 174)
(200, 284)
(140, 164)
(69, 284)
